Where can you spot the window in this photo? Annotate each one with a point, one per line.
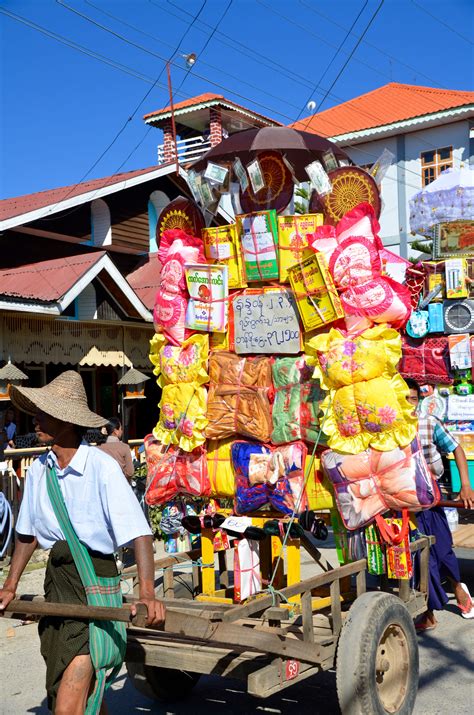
(156, 203)
(434, 162)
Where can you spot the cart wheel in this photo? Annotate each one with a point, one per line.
(164, 683)
(377, 658)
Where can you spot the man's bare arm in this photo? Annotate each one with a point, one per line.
(146, 579)
(24, 548)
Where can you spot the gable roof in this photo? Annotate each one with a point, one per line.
(30, 207)
(55, 283)
(204, 101)
(145, 279)
(394, 102)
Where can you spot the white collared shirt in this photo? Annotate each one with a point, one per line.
(102, 506)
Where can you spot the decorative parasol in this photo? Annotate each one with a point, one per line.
(448, 198)
(300, 148)
(180, 213)
(278, 188)
(351, 186)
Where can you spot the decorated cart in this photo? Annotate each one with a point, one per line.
(277, 345)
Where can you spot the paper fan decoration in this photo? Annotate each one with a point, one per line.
(350, 186)
(278, 189)
(180, 213)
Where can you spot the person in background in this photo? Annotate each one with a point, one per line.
(104, 514)
(10, 427)
(437, 441)
(116, 448)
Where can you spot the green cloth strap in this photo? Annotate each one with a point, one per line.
(107, 639)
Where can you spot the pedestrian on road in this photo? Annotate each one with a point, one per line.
(443, 564)
(77, 503)
(116, 448)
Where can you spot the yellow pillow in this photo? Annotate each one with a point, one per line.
(219, 467)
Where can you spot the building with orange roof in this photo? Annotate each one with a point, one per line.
(427, 129)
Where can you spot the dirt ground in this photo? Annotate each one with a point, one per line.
(446, 673)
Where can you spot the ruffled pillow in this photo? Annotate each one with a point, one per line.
(383, 300)
(182, 416)
(184, 363)
(355, 261)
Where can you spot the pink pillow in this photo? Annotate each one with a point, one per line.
(383, 300)
(354, 261)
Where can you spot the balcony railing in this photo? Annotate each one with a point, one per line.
(188, 149)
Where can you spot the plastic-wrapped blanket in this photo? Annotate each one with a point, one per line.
(182, 418)
(373, 482)
(238, 400)
(367, 403)
(269, 475)
(297, 401)
(219, 466)
(171, 471)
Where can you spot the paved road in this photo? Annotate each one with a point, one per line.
(446, 675)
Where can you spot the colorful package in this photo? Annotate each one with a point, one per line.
(426, 361)
(343, 360)
(376, 562)
(182, 418)
(373, 482)
(259, 239)
(292, 240)
(247, 576)
(221, 245)
(319, 491)
(399, 560)
(316, 296)
(184, 363)
(265, 474)
(219, 467)
(208, 288)
(383, 300)
(238, 401)
(171, 471)
(297, 401)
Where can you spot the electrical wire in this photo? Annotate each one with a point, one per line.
(441, 22)
(124, 125)
(332, 60)
(372, 19)
(201, 61)
(369, 44)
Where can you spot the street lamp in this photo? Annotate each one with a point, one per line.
(190, 61)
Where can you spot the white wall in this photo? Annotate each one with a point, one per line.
(403, 179)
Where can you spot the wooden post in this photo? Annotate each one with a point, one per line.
(307, 617)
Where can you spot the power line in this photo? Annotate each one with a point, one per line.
(129, 119)
(201, 61)
(369, 44)
(332, 60)
(441, 22)
(374, 15)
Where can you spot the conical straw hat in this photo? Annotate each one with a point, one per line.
(63, 398)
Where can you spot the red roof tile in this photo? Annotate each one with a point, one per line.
(199, 99)
(393, 102)
(145, 280)
(31, 202)
(202, 99)
(46, 281)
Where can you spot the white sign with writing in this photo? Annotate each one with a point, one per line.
(461, 407)
(266, 323)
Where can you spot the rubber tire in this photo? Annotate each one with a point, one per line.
(165, 684)
(363, 628)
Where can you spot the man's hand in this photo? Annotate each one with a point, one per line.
(6, 595)
(467, 496)
(156, 611)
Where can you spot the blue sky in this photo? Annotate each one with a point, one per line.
(61, 108)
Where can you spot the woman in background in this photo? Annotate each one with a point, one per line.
(116, 448)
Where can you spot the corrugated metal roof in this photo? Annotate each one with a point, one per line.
(199, 99)
(30, 202)
(394, 102)
(46, 281)
(145, 280)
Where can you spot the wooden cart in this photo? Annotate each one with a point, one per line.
(277, 639)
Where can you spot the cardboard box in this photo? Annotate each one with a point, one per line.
(292, 241)
(258, 233)
(221, 245)
(460, 351)
(455, 270)
(316, 296)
